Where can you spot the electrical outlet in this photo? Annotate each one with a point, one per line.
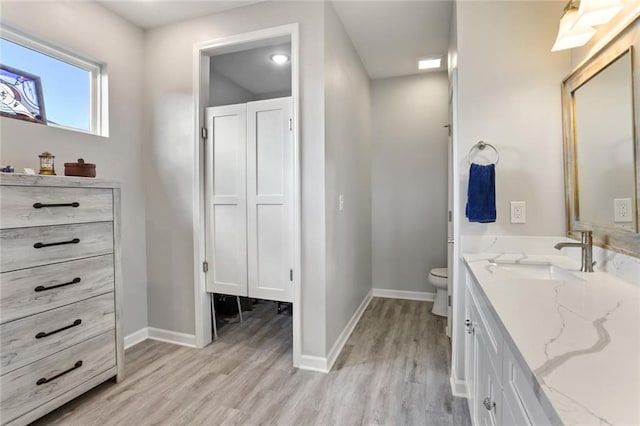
(341, 202)
(518, 212)
(622, 210)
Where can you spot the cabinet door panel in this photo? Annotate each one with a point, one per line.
(226, 200)
(270, 199)
(518, 391)
(470, 354)
(489, 390)
(508, 416)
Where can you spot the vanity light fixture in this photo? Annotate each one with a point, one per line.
(571, 33)
(279, 58)
(429, 63)
(597, 12)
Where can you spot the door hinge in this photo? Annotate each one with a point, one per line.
(450, 216)
(205, 266)
(290, 274)
(204, 133)
(449, 298)
(291, 124)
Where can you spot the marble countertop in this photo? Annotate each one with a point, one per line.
(580, 337)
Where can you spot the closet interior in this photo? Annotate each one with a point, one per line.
(249, 184)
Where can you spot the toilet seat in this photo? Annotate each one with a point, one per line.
(438, 277)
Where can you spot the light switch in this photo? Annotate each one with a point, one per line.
(341, 202)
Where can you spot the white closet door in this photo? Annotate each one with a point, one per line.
(226, 199)
(270, 199)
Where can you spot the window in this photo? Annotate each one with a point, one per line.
(44, 84)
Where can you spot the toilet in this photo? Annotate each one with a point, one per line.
(438, 278)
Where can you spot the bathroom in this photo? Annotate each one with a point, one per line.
(374, 162)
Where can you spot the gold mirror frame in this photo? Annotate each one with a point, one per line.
(621, 240)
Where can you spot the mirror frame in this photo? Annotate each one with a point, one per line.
(612, 237)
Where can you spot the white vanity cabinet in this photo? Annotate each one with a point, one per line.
(499, 390)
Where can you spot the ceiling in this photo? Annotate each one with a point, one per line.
(253, 69)
(155, 13)
(389, 35)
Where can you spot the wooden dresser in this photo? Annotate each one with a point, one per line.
(60, 291)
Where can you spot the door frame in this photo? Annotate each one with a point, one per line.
(200, 85)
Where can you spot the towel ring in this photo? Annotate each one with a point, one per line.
(481, 146)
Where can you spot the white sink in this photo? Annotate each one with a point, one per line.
(537, 271)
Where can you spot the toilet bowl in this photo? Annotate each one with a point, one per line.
(438, 278)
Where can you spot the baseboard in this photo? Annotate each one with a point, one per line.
(161, 335)
(403, 294)
(346, 332)
(324, 365)
(174, 337)
(136, 337)
(458, 387)
(313, 363)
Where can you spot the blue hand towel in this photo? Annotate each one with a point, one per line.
(481, 194)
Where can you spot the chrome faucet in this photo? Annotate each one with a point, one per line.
(586, 244)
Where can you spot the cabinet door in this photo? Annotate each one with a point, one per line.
(270, 199)
(489, 391)
(470, 352)
(519, 394)
(226, 199)
(508, 416)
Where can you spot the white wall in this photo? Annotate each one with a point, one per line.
(454, 262)
(225, 92)
(409, 182)
(93, 31)
(272, 95)
(169, 146)
(348, 172)
(509, 95)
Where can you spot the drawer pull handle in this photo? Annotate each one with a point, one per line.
(41, 245)
(43, 334)
(44, 380)
(40, 205)
(43, 288)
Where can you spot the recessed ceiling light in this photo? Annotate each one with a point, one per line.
(429, 63)
(280, 58)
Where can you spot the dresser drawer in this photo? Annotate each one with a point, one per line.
(28, 387)
(38, 206)
(30, 291)
(30, 339)
(28, 247)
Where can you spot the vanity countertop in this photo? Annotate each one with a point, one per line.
(580, 337)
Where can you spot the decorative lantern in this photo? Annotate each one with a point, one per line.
(46, 164)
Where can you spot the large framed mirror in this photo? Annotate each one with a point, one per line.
(602, 148)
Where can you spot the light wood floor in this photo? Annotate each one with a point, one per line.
(394, 370)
